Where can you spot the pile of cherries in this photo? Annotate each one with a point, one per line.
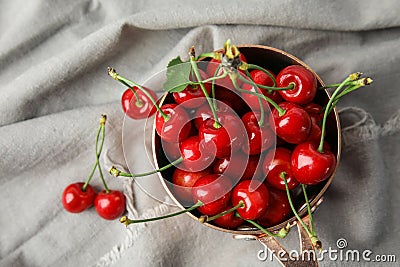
(77, 197)
(238, 138)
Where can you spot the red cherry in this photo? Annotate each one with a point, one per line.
(278, 209)
(193, 96)
(221, 142)
(294, 126)
(315, 111)
(230, 98)
(177, 127)
(214, 191)
(260, 138)
(110, 206)
(255, 197)
(183, 182)
(204, 112)
(240, 165)
(261, 78)
(305, 84)
(194, 157)
(278, 162)
(75, 200)
(310, 166)
(135, 110)
(229, 220)
(171, 150)
(224, 82)
(315, 132)
(316, 115)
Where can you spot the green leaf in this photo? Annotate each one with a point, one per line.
(175, 61)
(178, 73)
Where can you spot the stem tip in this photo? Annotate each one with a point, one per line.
(103, 119)
(113, 73)
(203, 218)
(124, 220)
(192, 52)
(114, 171)
(355, 76)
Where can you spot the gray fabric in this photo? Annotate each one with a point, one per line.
(53, 60)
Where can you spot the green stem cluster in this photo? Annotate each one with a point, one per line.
(350, 84)
(100, 132)
(310, 232)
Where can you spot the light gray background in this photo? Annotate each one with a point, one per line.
(54, 86)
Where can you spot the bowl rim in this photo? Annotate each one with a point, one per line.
(314, 203)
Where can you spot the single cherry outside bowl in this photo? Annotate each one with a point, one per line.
(274, 60)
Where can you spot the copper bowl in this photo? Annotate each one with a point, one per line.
(274, 60)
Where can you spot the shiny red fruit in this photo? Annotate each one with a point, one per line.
(183, 182)
(204, 112)
(278, 209)
(75, 200)
(193, 96)
(194, 157)
(305, 84)
(138, 110)
(229, 220)
(316, 115)
(260, 137)
(260, 78)
(294, 126)
(177, 127)
(214, 190)
(315, 132)
(277, 163)
(171, 150)
(310, 166)
(110, 206)
(239, 167)
(230, 98)
(315, 111)
(255, 196)
(221, 142)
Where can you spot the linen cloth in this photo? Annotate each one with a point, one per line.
(54, 86)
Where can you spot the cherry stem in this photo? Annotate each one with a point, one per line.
(281, 234)
(262, 118)
(352, 86)
(89, 177)
(125, 220)
(328, 107)
(95, 165)
(253, 66)
(139, 102)
(213, 87)
(193, 62)
(209, 54)
(334, 85)
(205, 218)
(283, 176)
(113, 73)
(212, 79)
(103, 131)
(114, 171)
(271, 88)
(280, 110)
(303, 187)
